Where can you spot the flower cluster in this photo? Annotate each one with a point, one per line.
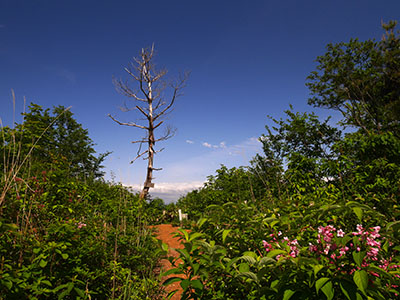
(367, 240)
(292, 245)
(336, 245)
(343, 253)
(325, 244)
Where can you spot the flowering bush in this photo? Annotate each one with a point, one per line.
(342, 263)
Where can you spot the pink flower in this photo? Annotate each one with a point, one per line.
(372, 242)
(373, 252)
(80, 225)
(340, 233)
(267, 246)
(343, 250)
(312, 248)
(327, 248)
(375, 234)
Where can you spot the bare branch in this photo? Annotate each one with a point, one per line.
(156, 126)
(127, 124)
(142, 111)
(176, 93)
(124, 89)
(140, 155)
(158, 151)
(160, 74)
(139, 141)
(169, 133)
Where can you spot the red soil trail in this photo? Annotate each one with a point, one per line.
(165, 233)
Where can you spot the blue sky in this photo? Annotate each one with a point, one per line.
(248, 59)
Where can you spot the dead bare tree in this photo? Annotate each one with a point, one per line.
(150, 100)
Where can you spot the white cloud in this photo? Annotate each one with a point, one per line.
(221, 145)
(197, 168)
(170, 191)
(185, 174)
(189, 142)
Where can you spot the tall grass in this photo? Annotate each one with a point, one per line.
(12, 158)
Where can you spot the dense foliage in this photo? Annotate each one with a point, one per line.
(317, 215)
(65, 233)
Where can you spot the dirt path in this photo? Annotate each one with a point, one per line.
(165, 233)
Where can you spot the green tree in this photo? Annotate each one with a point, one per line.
(295, 148)
(237, 185)
(49, 139)
(361, 80)
(72, 141)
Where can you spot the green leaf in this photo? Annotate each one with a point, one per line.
(244, 267)
(8, 284)
(249, 275)
(349, 290)
(275, 252)
(389, 225)
(360, 278)
(250, 253)
(171, 280)
(196, 284)
(231, 262)
(66, 292)
(274, 285)
(288, 294)
(380, 271)
(164, 246)
(194, 236)
(201, 221)
(385, 246)
(249, 259)
(60, 287)
(317, 268)
(64, 255)
(320, 283)
(358, 257)
(46, 282)
(183, 233)
(185, 284)
(359, 213)
(80, 292)
(195, 268)
(225, 234)
(42, 263)
(183, 253)
(266, 261)
(328, 290)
